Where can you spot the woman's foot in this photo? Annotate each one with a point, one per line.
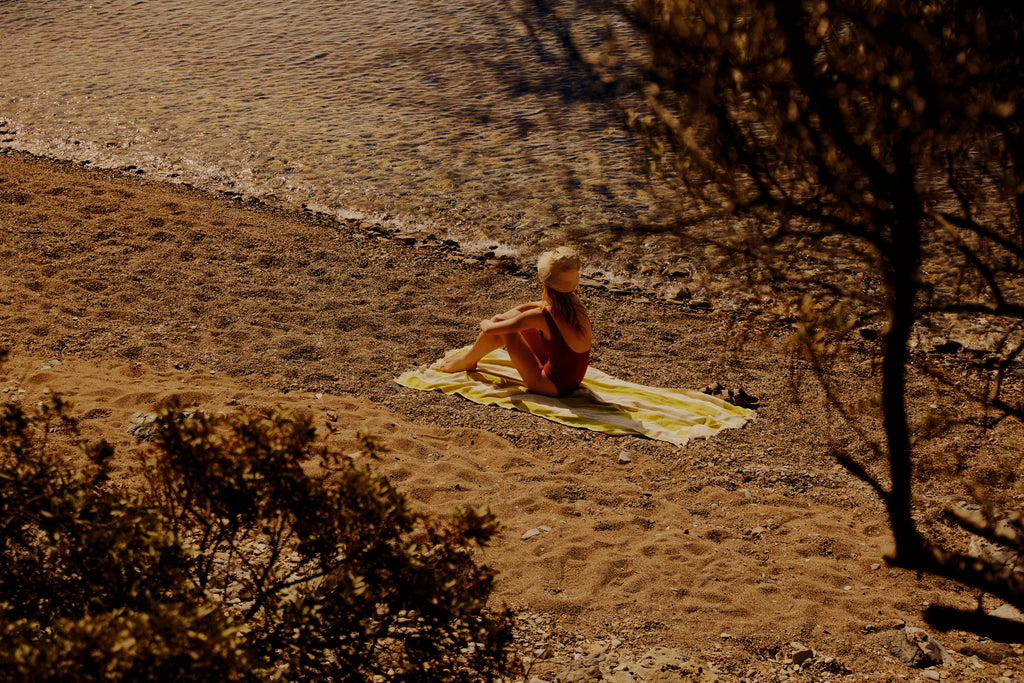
(457, 363)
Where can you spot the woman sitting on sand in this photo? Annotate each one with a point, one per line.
(547, 340)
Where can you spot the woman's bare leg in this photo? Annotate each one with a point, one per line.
(467, 360)
(528, 365)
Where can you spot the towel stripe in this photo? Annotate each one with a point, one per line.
(604, 403)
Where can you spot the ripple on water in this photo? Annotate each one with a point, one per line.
(435, 114)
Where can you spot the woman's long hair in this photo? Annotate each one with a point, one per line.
(566, 305)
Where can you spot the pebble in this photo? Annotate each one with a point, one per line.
(801, 654)
(624, 458)
(989, 651)
(1008, 612)
(914, 647)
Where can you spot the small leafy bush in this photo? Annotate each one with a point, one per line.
(235, 564)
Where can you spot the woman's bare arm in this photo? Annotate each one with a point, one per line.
(531, 317)
(511, 313)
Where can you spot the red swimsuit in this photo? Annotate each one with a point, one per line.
(563, 366)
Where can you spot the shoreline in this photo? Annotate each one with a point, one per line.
(679, 284)
(730, 549)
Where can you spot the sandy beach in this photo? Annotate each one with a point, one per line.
(119, 292)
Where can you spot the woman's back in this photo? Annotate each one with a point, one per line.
(565, 366)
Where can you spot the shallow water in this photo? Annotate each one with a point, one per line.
(431, 116)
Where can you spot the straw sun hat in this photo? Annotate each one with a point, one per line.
(560, 269)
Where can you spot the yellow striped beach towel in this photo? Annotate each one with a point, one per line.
(603, 403)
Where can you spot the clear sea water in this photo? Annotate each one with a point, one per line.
(437, 117)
